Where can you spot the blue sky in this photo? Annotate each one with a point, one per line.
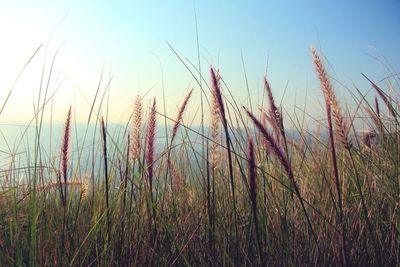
(127, 40)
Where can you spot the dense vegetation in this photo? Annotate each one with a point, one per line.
(244, 192)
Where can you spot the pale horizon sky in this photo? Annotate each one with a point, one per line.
(127, 39)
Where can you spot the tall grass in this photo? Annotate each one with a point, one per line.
(254, 188)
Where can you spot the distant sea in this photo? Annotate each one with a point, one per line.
(19, 142)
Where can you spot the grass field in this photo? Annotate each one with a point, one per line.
(238, 190)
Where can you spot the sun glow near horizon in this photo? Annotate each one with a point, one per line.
(125, 44)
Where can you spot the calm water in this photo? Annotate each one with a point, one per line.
(18, 143)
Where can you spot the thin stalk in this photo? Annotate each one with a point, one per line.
(217, 91)
(253, 198)
(104, 137)
(370, 227)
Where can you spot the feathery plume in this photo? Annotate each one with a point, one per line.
(180, 115)
(215, 79)
(217, 91)
(65, 155)
(214, 128)
(341, 129)
(83, 185)
(272, 143)
(377, 109)
(65, 145)
(252, 172)
(275, 117)
(136, 129)
(264, 119)
(178, 179)
(286, 165)
(330, 101)
(150, 135)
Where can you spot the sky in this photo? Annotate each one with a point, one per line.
(126, 43)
